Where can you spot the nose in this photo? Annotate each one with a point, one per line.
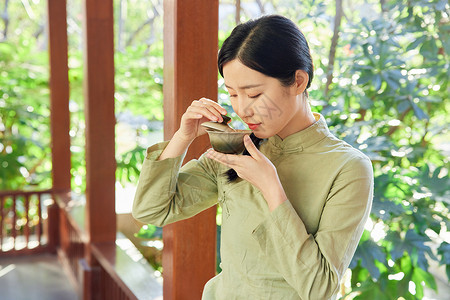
(244, 107)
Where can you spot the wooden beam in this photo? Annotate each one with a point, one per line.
(59, 95)
(100, 121)
(190, 72)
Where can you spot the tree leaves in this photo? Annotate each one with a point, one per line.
(421, 278)
(416, 43)
(368, 253)
(24, 122)
(391, 78)
(429, 49)
(444, 252)
(404, 80)
(433, 181)
(390, 100)
(385, 210)
(413, 244)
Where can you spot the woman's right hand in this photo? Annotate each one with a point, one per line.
(198, 112)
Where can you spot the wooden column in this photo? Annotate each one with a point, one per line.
(190, 72)
(59, 95)
(100, 121)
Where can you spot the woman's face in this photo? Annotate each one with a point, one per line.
(268, 107)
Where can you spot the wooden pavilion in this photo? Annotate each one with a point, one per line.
(87, 248)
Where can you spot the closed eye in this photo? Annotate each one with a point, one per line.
(254, 97)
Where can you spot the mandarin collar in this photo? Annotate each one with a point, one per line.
(297, 141)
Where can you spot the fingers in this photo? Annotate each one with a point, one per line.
(209, 109)
(204, 111)
(251, 148)
(190, 114)
(228, 160)
(219, 108)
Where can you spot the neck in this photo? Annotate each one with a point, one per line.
(302, 119)
(308, 115)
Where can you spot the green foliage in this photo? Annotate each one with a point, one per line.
(138, 78)
(149, 232)
(24, 116)
(129, 165)
(388, 98)
(24, 95)
(444, 251)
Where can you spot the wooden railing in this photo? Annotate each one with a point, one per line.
(72, 240)
(26, 222)
(44, 221)
(121, 277)
(114, 273)
(111, 286)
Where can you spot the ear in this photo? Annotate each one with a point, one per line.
(301, 81)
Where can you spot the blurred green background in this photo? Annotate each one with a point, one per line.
(381, 81)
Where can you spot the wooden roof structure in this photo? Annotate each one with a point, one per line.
(190, 72)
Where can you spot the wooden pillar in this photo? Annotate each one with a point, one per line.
(190, 72)
(100, 121)
(59, 95)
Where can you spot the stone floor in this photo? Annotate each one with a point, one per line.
(34, 277)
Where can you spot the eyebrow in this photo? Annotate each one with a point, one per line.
(245, 86)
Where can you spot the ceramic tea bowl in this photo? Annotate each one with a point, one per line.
(228, 142)
(225, 139)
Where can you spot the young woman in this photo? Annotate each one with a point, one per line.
(295, 204)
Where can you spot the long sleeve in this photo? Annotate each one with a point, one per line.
(314, 264)
(167, 192)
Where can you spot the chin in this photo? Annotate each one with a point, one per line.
(262, 135)
(264, 132)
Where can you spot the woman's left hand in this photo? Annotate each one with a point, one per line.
(256, 169)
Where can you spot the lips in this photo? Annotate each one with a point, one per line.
(253, 126)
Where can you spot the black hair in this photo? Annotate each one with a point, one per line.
(272, 45)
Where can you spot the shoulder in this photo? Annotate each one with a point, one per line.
(351, 159)
(359, 165)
